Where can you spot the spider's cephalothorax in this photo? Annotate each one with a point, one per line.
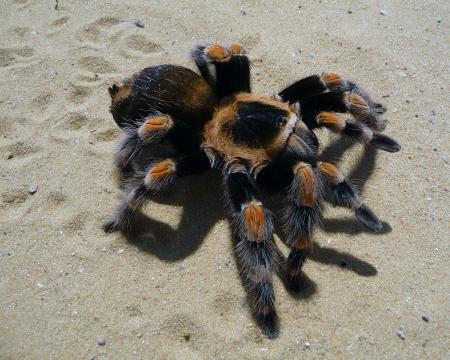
(258, 143)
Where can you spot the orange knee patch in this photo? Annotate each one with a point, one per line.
(121, 94)
(217, 53)
(236, 49)
(256, 221)
(158, 173)
(331, 121)
(154, 125)
(358, 106)
(308, 184)
(331, 172)
(332, 79)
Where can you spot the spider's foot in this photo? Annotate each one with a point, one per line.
(111, 226)
(378, 108)
(384, 142)
(368, 218)
(155, 127)
(270, 324)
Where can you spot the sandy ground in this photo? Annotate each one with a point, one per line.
(176, 293)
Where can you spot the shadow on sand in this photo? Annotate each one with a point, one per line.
(200, 198)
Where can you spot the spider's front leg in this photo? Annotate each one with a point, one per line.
(317, 84)
(158, 176)
(255, 249)
(231, 65)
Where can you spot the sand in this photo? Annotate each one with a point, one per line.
(176, 293)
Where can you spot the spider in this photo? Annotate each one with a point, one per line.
(259, 144)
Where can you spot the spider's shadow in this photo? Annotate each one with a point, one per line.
(202, 209)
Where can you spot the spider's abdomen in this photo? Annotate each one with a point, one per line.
(168, 89)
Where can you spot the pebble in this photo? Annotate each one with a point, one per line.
(402, 74)
(9, 155)
(383, 12)
(101, 341)
(120, 251)
(243, 12)
(425, 318)
(307, 344)
(32, 189)
(401, 334)
(139, 23)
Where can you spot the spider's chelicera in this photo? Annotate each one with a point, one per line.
(258, 143)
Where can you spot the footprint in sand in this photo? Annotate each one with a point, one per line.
(18, 32)
(63, 20)
(95, 31)
(10, 56)
(21, 149)
(97, 65)
(42, 102)
(140, 43)
(79, 93)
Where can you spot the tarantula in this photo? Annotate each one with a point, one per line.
(259, 144)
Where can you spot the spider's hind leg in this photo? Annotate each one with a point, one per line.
(153, 129)
(156, 178)
(231, 68)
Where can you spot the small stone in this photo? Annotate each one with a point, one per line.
(439, 20)
(40, 285)
(307, 344)
(401, 334)
(120, 251)
(243, 12)
(101, 341)
(425, 318)
(402, 74)
(9, 155)
(32, 189)
(139, 23)
(383, 12)
(187, 337)
(349, 12)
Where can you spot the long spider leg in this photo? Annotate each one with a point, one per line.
(345, 194)
(231, 65)
(157, 177)
(342, 102)
(255, 250)
(317, 84)
(300, 217)
(356, 131)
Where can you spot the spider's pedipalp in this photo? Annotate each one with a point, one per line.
(357, 131)
(345, 194)
(231, 65)
(255, 249)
